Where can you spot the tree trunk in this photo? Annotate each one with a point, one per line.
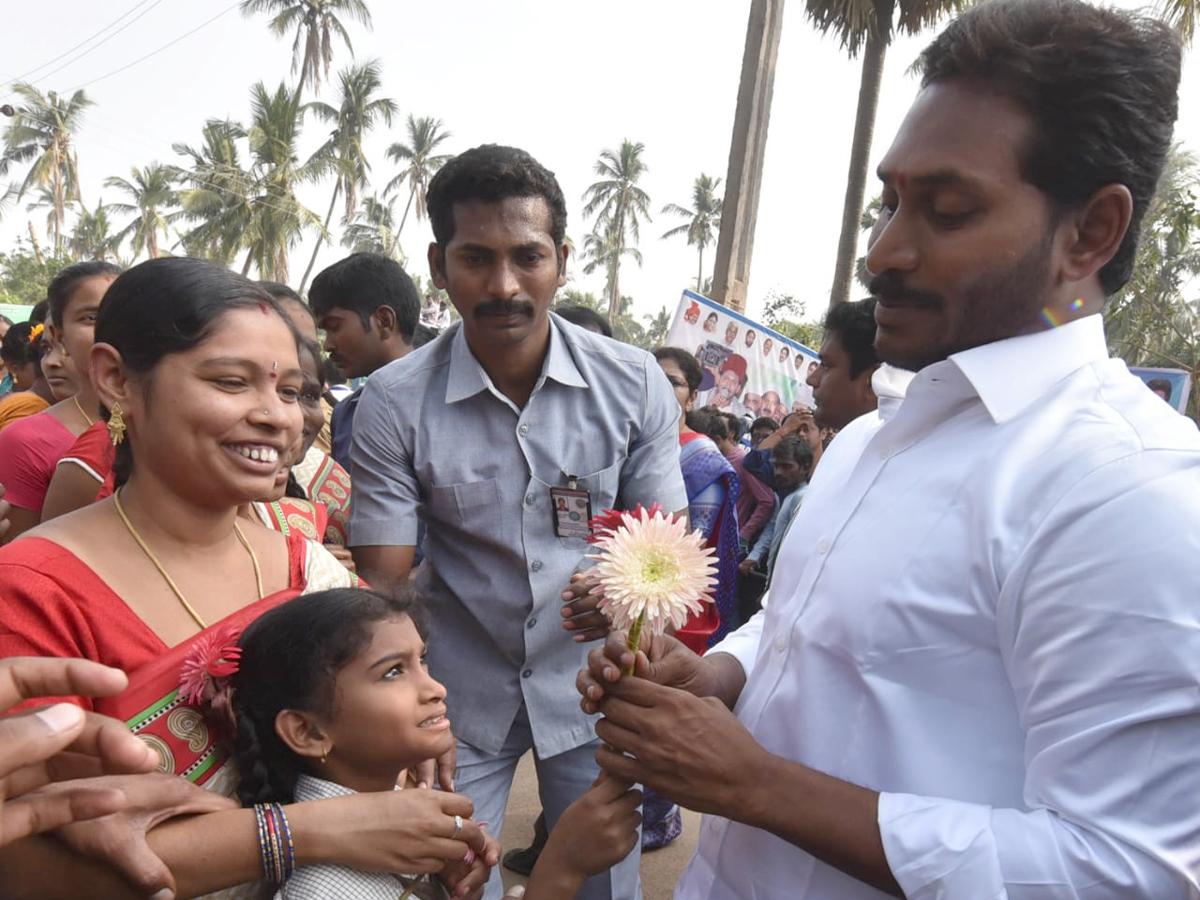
(328, 217)
(246, 266)
(860, 158)
(614, 298)
(700, 272)
(404, 218)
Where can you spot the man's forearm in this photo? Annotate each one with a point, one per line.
(834, 820)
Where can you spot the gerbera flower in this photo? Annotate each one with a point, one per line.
(654, 572)
(214, 656)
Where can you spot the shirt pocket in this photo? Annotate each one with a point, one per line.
(464, 505)
(602, 488)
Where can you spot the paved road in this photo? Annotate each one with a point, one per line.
(660, 869)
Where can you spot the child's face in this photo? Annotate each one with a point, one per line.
(389, 714)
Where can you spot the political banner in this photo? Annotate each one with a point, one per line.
(1176, 384)
(749, 369)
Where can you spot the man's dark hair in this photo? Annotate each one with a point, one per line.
(363, 282)
(1101, 86)
(854, 324)
(692, 373)
(734, 423)
(491, 173)
(710, 422)
(794, 449)
(764, 422)
(585, 318)
(423, 335)
(1160, 384)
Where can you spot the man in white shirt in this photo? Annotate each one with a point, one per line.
(979, 673)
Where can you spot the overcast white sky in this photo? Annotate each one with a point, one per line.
(562, 80)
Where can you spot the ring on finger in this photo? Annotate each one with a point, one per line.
(458, 823)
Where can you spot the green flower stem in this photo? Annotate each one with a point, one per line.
(635, 638)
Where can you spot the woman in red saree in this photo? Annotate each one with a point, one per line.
(198, 375)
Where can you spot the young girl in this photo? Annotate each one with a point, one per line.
(332, 697)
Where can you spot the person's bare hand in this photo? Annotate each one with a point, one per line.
(661, 658)
(581, 609)
(466, 878)
(688, 749)
(60, 742)
(747, 565)
(598, 830)
(119, 839)
(397, 831)
(342, 555)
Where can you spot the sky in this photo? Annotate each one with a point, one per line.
(564, 81)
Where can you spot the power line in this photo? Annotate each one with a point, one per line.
(142, 59)
(96, 46)
(25, 75)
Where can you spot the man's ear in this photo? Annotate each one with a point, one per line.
(862, 386)
(1096, 232)
(302, 734)
(384, 321)
(437, 266)
(564, 253)
(109, 380)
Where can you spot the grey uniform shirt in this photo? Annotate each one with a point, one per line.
(433, 436)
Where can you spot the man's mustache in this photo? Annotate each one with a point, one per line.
(889, 289)
(504, 308)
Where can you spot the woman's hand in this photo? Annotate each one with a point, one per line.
(410, 831)
(342, 555)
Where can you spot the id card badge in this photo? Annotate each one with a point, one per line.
(572, 510)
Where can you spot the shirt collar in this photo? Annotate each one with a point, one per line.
(1012, 374)
(467, 377)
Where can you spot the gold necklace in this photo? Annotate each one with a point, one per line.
(79, 406)
(163, 572)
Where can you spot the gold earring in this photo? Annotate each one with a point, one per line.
(325, 757)
(116, 425)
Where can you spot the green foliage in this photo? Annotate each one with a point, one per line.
(703, 219)
(617, 202)
(1155, 319)
(785, 313)
(625, 328)
(24, 274)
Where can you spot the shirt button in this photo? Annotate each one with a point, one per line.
(530, 499)
(885, 451)
(527, 673)
(531, 622)
(823, 547)
(536, 565)
(780, 645)
(523, 430)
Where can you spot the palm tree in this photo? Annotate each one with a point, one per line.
(1182, 15)
(357, 112)
(93, 237)
(656, 331)
(420, 162)
(704, 219)
(216, 194)
(40, 133)
(867, 26)
(151, 191)
(374, 227)
(603, 250)
(619, 201)
(315, 23)
(277, 215)
(44, 199)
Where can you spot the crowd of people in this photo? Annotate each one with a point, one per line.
(262, 639)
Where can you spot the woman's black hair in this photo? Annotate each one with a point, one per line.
(17, 349)
(290, 659)
(692, 373)
(708, 421)
(63, 286)
(167, 306)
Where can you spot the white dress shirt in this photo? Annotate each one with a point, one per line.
(988, 609)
